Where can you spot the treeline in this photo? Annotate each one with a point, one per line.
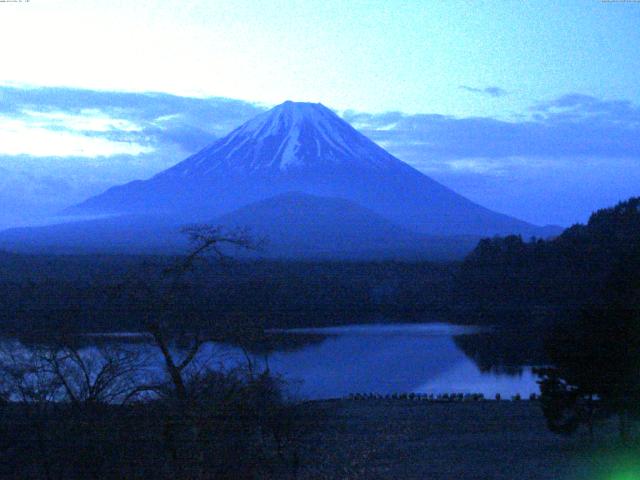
(115, 293)
(542, 280)
(528, 290)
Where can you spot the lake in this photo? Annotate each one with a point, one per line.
(386, 359)
(333, 362)
(398, 358)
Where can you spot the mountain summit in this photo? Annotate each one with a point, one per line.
(292, 136)
(306, 148)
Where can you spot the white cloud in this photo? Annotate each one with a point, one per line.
(21, 137)
(89, 120)
(472, 165)
(360, 125)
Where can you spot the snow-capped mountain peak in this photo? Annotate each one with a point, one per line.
(287, 115)
(289, 137)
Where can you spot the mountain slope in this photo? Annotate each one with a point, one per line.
(306, 148)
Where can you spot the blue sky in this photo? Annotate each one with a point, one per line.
(531, 108)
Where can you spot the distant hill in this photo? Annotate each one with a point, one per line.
(301, 225)
(293, 225)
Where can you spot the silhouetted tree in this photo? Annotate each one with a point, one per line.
(596, 370)
(596, 359)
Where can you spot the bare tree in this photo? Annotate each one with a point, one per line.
(24, 375)
(205, 240)
(104, 374)
(183, 427)
(58, 370)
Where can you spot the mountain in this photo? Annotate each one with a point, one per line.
(302, 147)
(301, 225)
(297, 174)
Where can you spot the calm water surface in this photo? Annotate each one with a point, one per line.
(421, 358)
(378, 358)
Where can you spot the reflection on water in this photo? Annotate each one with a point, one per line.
(387, 329)
(383, 359)
(465, 377)
(393, 359)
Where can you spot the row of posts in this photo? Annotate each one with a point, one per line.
(441, 397)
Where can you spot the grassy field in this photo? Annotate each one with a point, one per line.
(396, 439)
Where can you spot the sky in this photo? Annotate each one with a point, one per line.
(529, 108)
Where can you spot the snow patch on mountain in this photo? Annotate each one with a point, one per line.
(289, 136)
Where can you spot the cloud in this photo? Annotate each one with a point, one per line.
(475, 166)
(577, 106)
(45, 138)
(153, 121)
(490, 91)
(60, 145)
(567, 127)
(94, 123)
(87, 120)
(565, 158)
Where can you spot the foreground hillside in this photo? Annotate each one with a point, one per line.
(381, 439)
(336, 439)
